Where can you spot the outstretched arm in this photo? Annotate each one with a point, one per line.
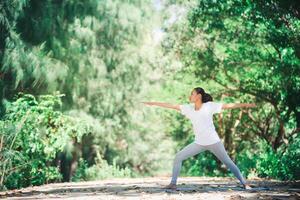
(238, 105)
(165, 105)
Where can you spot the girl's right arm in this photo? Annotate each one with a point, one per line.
(165, 105)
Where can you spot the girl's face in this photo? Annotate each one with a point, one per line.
(194, 97)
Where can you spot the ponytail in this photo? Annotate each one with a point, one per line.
(205, 96)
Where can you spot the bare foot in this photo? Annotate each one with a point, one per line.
(170, 186)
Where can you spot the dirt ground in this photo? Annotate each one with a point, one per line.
(200, 188)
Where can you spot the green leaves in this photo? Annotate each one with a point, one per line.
(101, 55)
(39, 133)
(265, 162)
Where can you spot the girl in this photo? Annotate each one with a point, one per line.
(200, 111)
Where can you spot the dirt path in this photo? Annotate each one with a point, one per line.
(151, 188)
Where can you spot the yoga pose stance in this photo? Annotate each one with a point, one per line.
(200, 111)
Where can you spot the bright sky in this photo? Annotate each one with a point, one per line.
(176, 13)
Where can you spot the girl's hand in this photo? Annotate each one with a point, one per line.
(148, 103)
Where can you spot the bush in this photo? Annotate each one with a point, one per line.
(80, 173)
(102, 170)
(268, 163)
(265, 162)
(246, 161)
(32, 133)
(291, 160)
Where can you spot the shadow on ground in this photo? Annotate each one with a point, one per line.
(152, 188)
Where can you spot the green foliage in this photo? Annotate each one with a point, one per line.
(204, 164)
(80, 173)
(247, 159)
(291, 160)
(32, 133)
(268, 162)
(102, 56)
(265, 162)
(102, 170)
(251, 46)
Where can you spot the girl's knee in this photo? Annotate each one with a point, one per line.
(178, 157)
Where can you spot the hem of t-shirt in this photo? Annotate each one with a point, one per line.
(207, 144)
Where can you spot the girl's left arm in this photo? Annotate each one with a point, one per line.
(238, 105)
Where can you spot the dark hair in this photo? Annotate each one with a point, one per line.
(205, 96)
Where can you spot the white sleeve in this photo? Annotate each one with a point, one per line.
(215, 107)
(185, 109)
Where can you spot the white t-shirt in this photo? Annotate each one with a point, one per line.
(202, 121)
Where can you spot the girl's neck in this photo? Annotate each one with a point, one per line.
(198, 105)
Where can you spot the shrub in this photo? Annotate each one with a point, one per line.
(32, 132)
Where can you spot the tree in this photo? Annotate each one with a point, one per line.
(248, 47)
(101, 55)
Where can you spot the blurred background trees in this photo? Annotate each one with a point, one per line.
(73, 75)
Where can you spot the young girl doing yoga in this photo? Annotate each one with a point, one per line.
(200, 111)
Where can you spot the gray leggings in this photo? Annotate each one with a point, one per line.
(217, 149)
